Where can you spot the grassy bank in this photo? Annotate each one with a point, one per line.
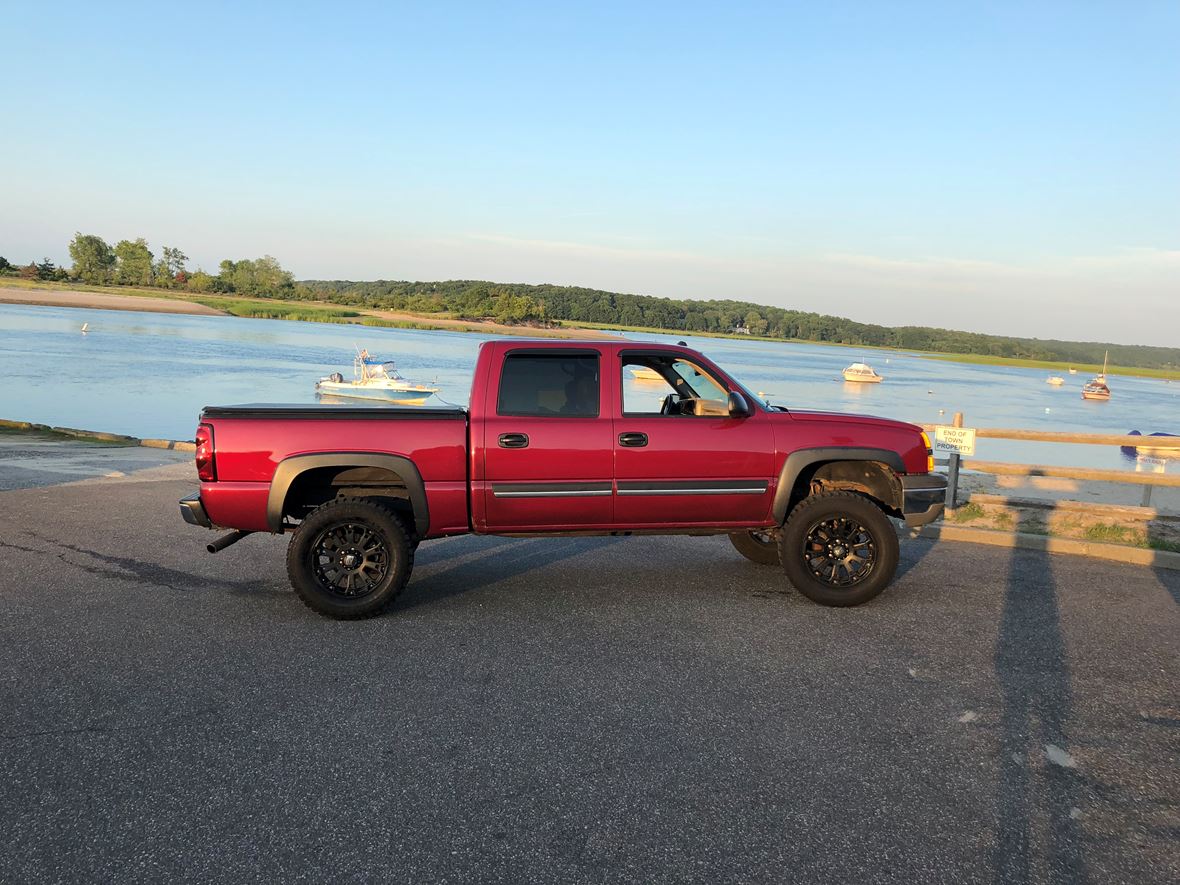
(1057, 368)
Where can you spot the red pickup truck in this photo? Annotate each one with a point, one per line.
(611, 437)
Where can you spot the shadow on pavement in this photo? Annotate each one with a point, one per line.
(504, 559)
(1038, 788)
(1170, 580)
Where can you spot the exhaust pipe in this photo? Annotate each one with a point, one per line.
(225, 540)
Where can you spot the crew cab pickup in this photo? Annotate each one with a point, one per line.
(561, 438)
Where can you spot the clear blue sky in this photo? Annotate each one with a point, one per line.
(1010, 168)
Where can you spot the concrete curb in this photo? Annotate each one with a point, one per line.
(1049, 544)
(180, 445)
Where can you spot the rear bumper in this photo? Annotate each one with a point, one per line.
(924, 497)
(193, 511)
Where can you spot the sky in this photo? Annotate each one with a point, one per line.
(1011, 168)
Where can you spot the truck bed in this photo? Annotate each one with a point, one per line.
(252, 439)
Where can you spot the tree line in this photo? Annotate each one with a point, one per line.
(545, 303)
(132, 263)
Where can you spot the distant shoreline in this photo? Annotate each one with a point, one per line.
(311, 311)
(41, 294)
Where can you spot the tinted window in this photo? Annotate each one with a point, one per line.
(542, 385)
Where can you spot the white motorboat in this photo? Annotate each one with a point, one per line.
(862, 372)
(375, 379)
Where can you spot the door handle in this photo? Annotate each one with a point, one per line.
(633, 440)
(514, 440)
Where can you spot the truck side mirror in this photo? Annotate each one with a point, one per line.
(738, 407)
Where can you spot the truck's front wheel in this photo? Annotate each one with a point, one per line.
(350, 559)
(839, 548)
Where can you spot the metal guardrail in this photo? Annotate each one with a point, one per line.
(1003, 468)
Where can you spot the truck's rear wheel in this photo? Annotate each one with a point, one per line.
(350, 559)
(760, 547)
(839, 548)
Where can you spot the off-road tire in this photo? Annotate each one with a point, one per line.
(751, 546)
(825, 536)
(318, 559)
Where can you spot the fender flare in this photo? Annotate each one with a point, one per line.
(289, 469)
(801, 459)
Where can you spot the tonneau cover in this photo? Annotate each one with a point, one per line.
(306, 410)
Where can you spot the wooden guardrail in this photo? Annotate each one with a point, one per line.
(1147, 480)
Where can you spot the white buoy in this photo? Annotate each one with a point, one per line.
(942, 411)
(85, 328)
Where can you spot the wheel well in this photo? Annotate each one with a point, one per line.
(319, 485)
(873, 479)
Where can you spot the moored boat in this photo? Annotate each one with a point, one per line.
(643, 373)
(375, 379)
(1150, 451)
(1096, 388)
(862, 372)
(1055, 380)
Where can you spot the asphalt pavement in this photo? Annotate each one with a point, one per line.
(568, 710)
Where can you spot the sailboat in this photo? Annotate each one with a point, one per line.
(1096, 387)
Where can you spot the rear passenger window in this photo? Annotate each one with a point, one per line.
(546, 385)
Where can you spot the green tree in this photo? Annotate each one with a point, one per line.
(261, 276)
(203, 282)
(756, 323)
(5, 264)
(46, 269)
(93, 259)
(134, 263)
(170, 269)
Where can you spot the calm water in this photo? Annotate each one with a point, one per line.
(148, 375)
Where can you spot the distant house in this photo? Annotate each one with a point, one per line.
(740, 330)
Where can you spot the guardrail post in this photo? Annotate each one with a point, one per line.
(1147, 496)
(952, 470)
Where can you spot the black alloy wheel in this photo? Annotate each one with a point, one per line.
(350, 558)
(839, 548)
(839, 551)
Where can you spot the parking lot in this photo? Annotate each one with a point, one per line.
(566, 710)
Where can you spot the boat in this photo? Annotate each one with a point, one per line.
(1150, 451)
(643, 373)
(1055, 380)
(375, 379)
(862, 372)
(1072, 370)
(1096, 387)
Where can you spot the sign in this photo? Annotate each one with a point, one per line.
(1147, 464)
(954, 440)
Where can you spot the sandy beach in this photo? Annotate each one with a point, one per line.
(102, 301)
(151, 304)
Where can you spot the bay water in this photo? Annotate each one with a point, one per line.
(149, 375)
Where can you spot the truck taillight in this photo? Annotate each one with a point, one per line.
(206, 465)
(929, 453)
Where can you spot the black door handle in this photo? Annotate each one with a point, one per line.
(514, 440)
(633, 440)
